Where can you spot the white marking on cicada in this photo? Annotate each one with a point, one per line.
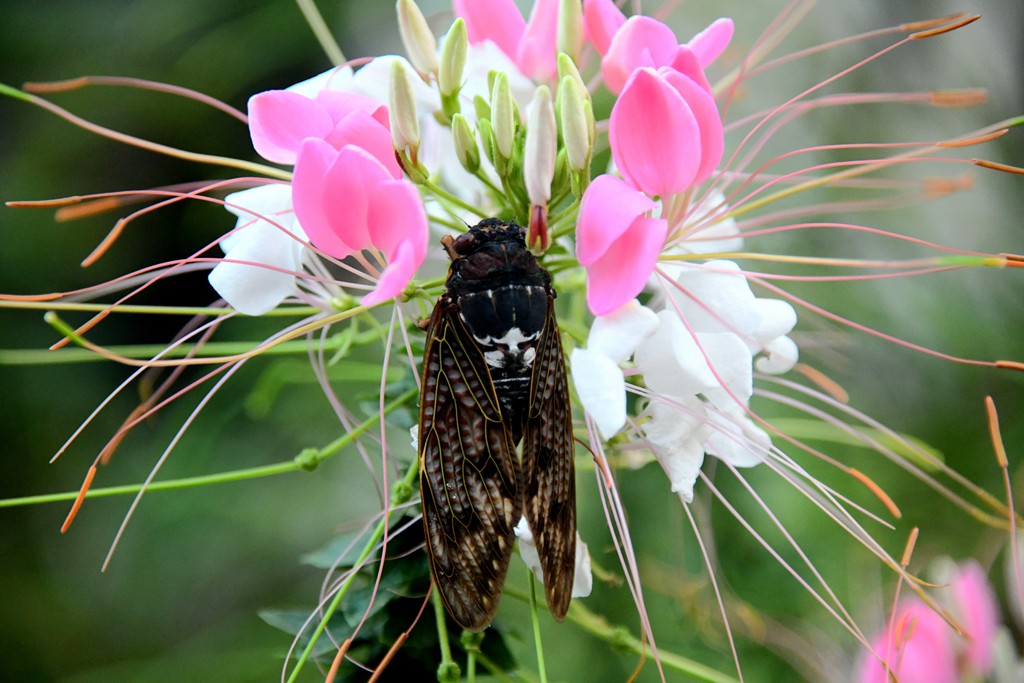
(509, 346)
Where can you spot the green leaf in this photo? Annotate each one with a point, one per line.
(908, 447)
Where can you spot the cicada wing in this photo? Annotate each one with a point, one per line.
(468, 473)
(549, 481)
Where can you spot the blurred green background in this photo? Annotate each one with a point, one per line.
(180, 599)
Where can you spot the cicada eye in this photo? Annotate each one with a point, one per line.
(464, 243)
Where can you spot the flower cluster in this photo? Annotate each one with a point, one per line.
(603, 135)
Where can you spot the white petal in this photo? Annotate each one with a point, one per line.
(674, 365)
(677, 440)
(527, 548)
(601, 388)
(337, 78)
(737, 440)
(617, 334)
(725, 232)
(273, 201)
(583, 579)
(664, 358)
(780, 355)
(777, 318)
(726, 302)
(372, 80)
(257, 289)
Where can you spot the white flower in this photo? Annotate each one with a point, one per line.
(715, 297)
(595, 370)
(277, 251)
(676, 435)
(676, 363)
(583, 578)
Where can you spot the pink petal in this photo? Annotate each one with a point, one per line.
(978, 614)
(396, 276)
(925, 657)
(538, 46)
(279, 120)
(397, 218)
(361, 130)
(351, 183)
(498, 21)
(332, 203)
(654, 136)
(340, 104)
(608, 209)
(621, 273)
(709, 121)
(641, 41)
(602, 20)
(712, 41)
(308, 193)
(685, 62)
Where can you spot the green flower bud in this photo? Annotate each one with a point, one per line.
(465, 143)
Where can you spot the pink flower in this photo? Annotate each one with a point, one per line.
(279, 121)
(921, 647)
(531, 45)
(665, 132)
(617, 242)
(347, 201)
(645, 42)
(918, 646)
(974, 606)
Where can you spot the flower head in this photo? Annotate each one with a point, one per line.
(918, 646)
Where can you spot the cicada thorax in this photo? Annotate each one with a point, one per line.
(494, 375)
(503, 297)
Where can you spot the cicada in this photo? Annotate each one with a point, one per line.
(494, 376)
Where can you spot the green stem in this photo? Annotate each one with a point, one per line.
(301, 311)
(400, 495)
(444, 195)
(447, 670)
(620, 637)
(307, 460)
(537, 641)
(139, 351)
(321, 31)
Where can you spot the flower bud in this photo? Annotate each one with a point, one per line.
(405, 129)
(567, 67)
(541, 148)
(570, 27)
(453, 62)
(572, 111)
(465, 143)
(420, 44)
(503, 115)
